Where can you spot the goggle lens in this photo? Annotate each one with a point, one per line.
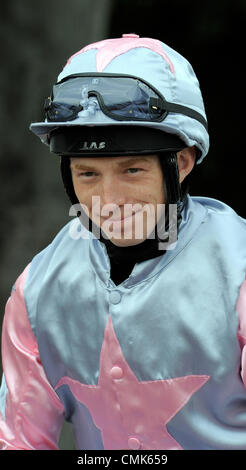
(121, 98)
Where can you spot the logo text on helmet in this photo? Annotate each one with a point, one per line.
(93, 146)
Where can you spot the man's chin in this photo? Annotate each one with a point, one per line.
(124, 242)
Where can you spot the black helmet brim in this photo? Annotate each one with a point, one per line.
(95, 141)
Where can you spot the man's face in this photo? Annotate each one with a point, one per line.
(120, 194)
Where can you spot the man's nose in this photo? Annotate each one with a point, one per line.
(112, 192)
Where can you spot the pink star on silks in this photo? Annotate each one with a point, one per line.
(128, 412)
(111, 48)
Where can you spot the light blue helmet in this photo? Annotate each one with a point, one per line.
(86, 92)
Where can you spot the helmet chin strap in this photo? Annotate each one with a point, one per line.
(67, 179)
(174, 193)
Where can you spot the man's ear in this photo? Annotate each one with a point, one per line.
(186, 159)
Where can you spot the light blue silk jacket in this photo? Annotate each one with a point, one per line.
(156, 362)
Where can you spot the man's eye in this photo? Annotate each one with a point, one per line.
(87, 174)
(133, 170)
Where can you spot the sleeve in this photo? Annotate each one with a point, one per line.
(241, 310)
(31, 413)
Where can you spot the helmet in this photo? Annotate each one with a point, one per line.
(125, 96)
(141, 71)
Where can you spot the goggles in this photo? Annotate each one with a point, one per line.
(121, 97)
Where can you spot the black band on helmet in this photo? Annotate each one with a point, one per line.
(96, 141)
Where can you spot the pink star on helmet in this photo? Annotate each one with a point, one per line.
(131, 413)
(108, 49)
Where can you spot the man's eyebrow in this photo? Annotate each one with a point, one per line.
(123, 164)
(133, 160)
(81, 166)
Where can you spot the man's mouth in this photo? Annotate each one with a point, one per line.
(122, 218)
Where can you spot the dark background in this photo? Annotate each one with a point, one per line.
(36, 39)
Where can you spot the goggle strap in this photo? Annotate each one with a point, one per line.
(180, 109)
